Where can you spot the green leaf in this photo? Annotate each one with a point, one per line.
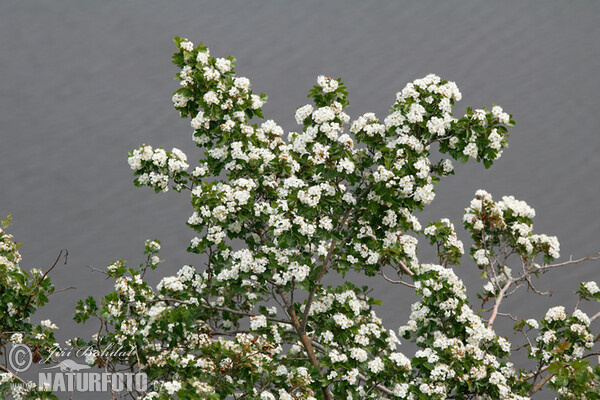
(6, 221)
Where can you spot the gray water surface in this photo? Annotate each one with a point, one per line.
(82, 83)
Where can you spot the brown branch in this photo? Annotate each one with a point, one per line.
(13, 375)
(312, 293)
(541, 384)
(62, 290)
(400, 282)
(509, 316)
(98, 270)
(405, 269)
(306, 342)
(45, 275)
(323, 269)
(571, 261)
(498, 302)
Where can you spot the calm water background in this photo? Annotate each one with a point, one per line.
(82, 83)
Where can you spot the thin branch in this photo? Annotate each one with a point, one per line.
(3, 368)
(401, 282)
(509, 316)
(222, 309)
(62, 290)
(98, 270)
(571, 261)
(405, 269)
(541, 384)
(45, 275)
(306, 342)
(498, 302)
(323, 269)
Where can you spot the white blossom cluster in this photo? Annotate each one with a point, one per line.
(589, 290)
(558, 329)
(156, 167)
(450, 248)
(510, 219)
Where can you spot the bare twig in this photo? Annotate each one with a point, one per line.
(3, 368)
(98, 270)
(509, 316)
(401, 282)
(498, 302)
(45, 275)
(571, 261)
(405, 269)
(62, 290)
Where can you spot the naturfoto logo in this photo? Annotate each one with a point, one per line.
(67, 375)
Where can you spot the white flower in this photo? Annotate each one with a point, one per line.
(172, 387)
(415, 113)
(242, 83)
(591, 287)
(342, 321)
(401, 360)
(504, 344)
(519, 208)
(48, 324)
(481, 257)
(210, 97)
(257, 322)
(532, 323)
(328, 84)
(401, 390)
(335, 356)
(16, 338)
(424, 194)
(503, 117)
(186, 45)
(170, 283)
(447, 166)
(323, 114)
(199, 121)
(202, 57)
(358, 354)
(480, 115)
(267, 396)
(256, 102)
(180, 100)
(159, 158)
(90, 358)
(302, 113)
(376, 365)
(556, 314)
(581, 316)
(223, 65)
(470, 150)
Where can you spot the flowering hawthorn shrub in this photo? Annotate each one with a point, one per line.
(274, 215)
(21, 294)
